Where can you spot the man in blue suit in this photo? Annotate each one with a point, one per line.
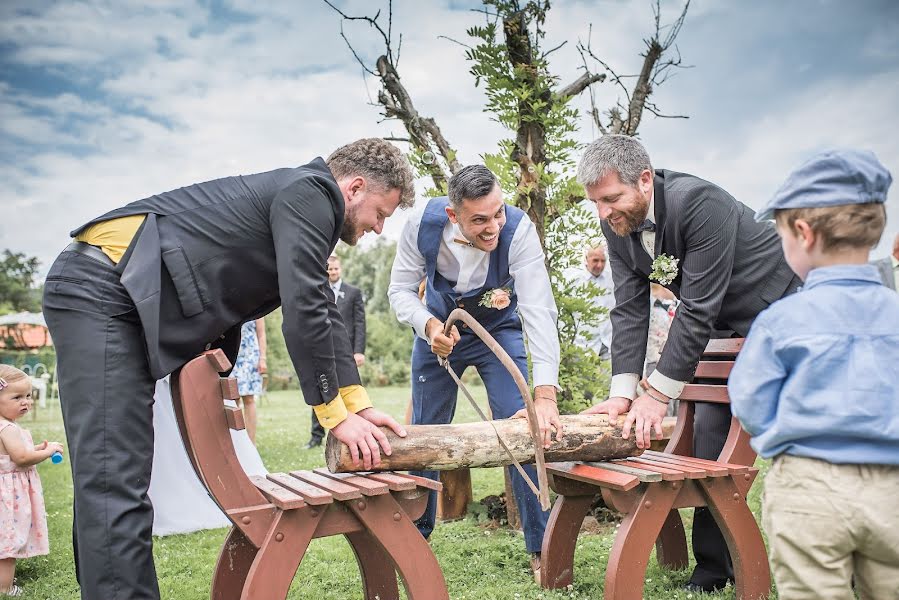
(480, 254)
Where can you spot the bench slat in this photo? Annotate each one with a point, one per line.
(229, 388)
(218, 360)
(644, 475)
(699, 392)
(396, 482)
(710, 465)
(667, 473)
(368, 487)
(688, 471)
(310, 494)
(715, 369)
(340, 491)
(277, 495)
(723, 346)
(594, 475)
(234, 416)
(420, 481)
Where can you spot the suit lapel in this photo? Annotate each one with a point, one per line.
(659, 217)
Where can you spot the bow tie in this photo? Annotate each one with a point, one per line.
(646, 225)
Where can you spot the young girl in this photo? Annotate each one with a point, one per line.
(23, 520)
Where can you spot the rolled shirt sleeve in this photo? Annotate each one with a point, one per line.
(405, 276)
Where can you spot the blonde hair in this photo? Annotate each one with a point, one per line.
(377, 160)
(9, 374)
(842, 227)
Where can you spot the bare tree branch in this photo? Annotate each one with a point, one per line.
(551, 50)
(455, 41)
(580, 84)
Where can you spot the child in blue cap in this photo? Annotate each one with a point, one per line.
(816, 387)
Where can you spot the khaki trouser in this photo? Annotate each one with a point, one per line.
(829, 523)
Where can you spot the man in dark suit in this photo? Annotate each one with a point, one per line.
(149, 286)
(351, 306)
(702, 244)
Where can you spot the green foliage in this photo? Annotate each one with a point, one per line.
(17, 275)
(525, 95)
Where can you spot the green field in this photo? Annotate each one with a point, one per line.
(479, 561)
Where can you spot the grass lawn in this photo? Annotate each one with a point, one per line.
(478, 562)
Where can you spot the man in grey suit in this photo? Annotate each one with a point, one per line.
(149, 286)
(351, 306)
(703, 245)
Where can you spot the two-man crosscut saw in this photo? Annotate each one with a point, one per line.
(542, 489)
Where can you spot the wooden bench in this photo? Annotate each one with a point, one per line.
(275, 517)
(650, 488)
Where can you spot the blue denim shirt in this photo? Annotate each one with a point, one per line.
(818, 375)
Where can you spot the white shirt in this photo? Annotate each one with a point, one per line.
(625, 384)
(335, 287)
(600, 333)
(467, 266)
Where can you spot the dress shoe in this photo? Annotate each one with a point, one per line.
(707, 588)
(312, 444)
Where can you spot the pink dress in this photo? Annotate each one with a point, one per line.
(23, 518)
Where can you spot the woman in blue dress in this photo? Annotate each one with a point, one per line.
(249, 368)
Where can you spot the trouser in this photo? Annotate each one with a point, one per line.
(106, 394)
(434, 396)
(829, 523)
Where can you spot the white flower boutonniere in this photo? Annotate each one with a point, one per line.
(341, 294)
(499, 298)
(664, 269)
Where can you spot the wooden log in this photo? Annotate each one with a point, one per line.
(443, 447)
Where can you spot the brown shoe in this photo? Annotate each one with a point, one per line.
(536, 566)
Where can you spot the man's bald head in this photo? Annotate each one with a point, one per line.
(595, 260)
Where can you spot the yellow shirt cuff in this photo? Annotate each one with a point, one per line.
(332, 414)
(355, 398)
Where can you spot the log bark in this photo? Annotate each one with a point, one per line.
(444, 447)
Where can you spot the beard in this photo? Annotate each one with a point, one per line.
(349, 233)
(631, 219)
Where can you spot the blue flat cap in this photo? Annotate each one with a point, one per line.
(832, 178)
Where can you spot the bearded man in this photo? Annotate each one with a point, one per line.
(706, 247)
(480, 254)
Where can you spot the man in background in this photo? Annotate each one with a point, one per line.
(351, 306)
(598, 336)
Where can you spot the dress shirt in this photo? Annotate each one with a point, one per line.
(467, 266)
(817, 374)
(600, 333)
(625, 384)
(335, 287)
(895, 262)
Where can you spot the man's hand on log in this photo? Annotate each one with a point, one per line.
(613, 407)
(361, 435)
(646, 414)
(441, 345)
(547, 413)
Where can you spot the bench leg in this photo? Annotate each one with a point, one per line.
(378, 573)
(671, 547)
(281, 553)
(743, 537)
(232, 567)
(408, 550)
(633, 543)
(560, 539)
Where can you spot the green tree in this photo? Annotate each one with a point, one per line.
(535, 164)
(17, 276)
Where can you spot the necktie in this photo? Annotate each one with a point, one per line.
(646, 225)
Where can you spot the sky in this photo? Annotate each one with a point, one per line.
(106, 102)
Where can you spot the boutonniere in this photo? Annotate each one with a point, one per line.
(341, 294)
(664, 269)
(499, 298)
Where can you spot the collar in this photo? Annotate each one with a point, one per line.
(336, 284)
(651, 213)
(837, 273)
(894, 261)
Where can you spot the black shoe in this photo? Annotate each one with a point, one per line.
(707, 588)
(313, 443)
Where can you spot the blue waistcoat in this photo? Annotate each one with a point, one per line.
(440, 296)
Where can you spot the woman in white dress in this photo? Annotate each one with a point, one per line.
(181, 503)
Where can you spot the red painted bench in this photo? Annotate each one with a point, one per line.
(650, 488)
(275, 517)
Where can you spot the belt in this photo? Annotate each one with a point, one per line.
(90, 252)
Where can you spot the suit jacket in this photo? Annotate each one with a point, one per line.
(352, 311)
(212, 255)
(730, 269)
(885, 270)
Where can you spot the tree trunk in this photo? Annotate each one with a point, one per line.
(445, 447)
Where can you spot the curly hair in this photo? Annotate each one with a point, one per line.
(378, 161)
